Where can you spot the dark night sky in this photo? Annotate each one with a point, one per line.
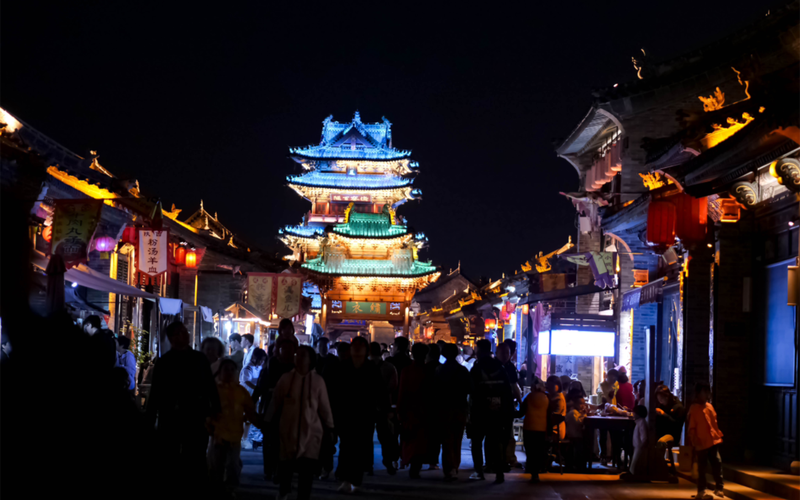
(202, 100)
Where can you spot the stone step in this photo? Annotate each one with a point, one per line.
(734, 490)
(766, 479)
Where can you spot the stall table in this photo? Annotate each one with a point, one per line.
(609, 423)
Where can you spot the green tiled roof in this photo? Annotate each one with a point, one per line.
(370, 225)
(366, 267)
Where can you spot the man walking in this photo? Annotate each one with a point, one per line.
(490, 409)
(451, 383)
(389, 385)
(183, 400)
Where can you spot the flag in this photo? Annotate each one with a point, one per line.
(74, 223)
(152, 259)
(259, 292)
(290, 289)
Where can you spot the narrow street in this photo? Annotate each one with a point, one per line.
(598, 486)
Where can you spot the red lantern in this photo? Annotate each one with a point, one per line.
(691, 217)
(191, 259)
(47, 233)
(129, 235)
(104, 244)
(180, 255)
(490, 324)
(661, 223)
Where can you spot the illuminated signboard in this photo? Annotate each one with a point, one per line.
(347, 198)
(336, 306)
(366, 308)
(577, 343)
(395, 308)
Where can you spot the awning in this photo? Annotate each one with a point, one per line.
(170, 306)
(631, 299)
(84, 276)
(208, 316)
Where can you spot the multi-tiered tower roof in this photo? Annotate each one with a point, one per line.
(352, 244)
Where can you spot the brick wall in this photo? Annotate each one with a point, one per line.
(218, 290)
(588, 304)
(733, 333)
(696, 320)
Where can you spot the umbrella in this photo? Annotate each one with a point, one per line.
(55, 284)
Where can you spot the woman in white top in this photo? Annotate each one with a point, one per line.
(249, 374)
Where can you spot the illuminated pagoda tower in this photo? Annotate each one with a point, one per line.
(362, 257)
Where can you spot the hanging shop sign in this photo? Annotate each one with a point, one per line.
(378, 308)
(348, 198)
(289, 290)
(74, 224)
(259, 291)
(153, 252)
(604, 266)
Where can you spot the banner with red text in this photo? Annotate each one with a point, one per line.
(289, 291)
(153, 252)
(259, 292)
(74, 223)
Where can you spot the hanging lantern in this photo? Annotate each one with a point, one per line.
(691, 216)
(104, 244)
(180, 255)
(661, 223)
(129, 235)
(47, 233)
(191, 259)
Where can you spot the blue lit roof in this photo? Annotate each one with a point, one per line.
(362, 181)
(354, 141)
(302, 231)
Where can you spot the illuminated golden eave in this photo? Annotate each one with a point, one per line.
(140, 205)
(721, 133)
(313, 192)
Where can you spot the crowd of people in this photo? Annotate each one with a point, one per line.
(299, 404)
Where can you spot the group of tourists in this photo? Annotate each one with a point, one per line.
(299, 404)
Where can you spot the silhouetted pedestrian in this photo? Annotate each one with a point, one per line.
(183, 399)
(490, 408)
(451, 386)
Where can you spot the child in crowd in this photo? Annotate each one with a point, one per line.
(576, 412)
(706, 437)
(228, 427)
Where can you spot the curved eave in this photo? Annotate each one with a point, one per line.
(359, 237)
(294, 184)
(299, 157)
(390, 276)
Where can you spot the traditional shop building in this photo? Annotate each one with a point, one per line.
(352, 245)
(690, 173)
(203, 268)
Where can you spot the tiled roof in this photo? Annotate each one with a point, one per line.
(361, 181)
(353, 141)
(369, 267)
(303, 231)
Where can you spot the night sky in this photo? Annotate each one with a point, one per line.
(202, 100)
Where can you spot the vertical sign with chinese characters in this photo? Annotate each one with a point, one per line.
(290, 289)
(259, 292)
(74, 222)
(152, 252)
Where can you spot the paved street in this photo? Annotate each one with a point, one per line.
(598, 486)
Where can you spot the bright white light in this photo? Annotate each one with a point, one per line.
(580, 343)
(74, 285)
(309, 323)
(228, 326)
(544, 342)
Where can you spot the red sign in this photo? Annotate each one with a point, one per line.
(355, 198)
